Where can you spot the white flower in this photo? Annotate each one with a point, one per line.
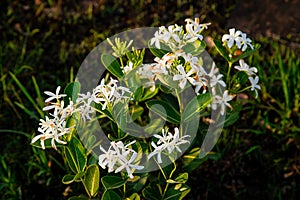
(243, 41)
(108, 158)
(54, 96)
(244, 67)
(176, 141)
(157, 151)
(161, 35)
(254, 85)
(194, 29)
(222, 101)
(231, 37)
(119, 157)
(215, 78)
(109, 93)
(51, 129)
(193, 61)
(127, 164)
(69, 110)
(183, 77)
(167, 142)
(128, 67)
(193, 33)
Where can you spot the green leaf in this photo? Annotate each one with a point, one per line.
(195, 48)
(72, 122)
(110, 195)
(98, 108)
(148, 93)
(91, 180)
(135, 185)
(154, 126)
(191, 161)
(67, 179)
(239, 80)
(134, 196)
(75, 154)
(79, 176)
(112, 182)
(196, 105)
(80, 197)
(136, 111)
(165, 110)
(112, 65)
(177, 192)
(247, 53)
(222, 50)
(26, 93)
(159, 52)
(138, 93)
(120, 114)
(231, 118)
(181, 178)
(152, 192)
(71, 90)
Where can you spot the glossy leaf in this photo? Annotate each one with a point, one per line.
(134, 196)
(71, 90)
(148, 93)
(112, 65)
(181, 178)
(165, 110)
(177, 192)
(152, 192)
(112, 182)
(80, 197)
(195, 48)
(92, 179)
(196, 105)
(110, 195)
(136, 111)
(75, 154)
(67, 179)
(222, 50)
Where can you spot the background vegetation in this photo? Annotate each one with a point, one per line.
(42, 44)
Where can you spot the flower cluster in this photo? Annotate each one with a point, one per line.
(56, 127)
(167, 142)
(177, 66)
(191, 71)
(251, 71)
(119, 157)
(238, 38)
(175, 37)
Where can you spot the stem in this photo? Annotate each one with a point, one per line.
(228, 72)
(246, 88)
(171, 174)
(121, 61)
(180, 110)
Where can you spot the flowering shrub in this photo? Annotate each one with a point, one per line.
(153, 114)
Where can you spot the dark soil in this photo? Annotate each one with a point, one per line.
(278, 19)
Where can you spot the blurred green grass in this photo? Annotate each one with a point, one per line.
(43, 42)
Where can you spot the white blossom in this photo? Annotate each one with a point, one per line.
(183, 76)
(54, 96)
(230, 38)
(254, 85)
(119, 157)
(243, 42)
(167, 142)
(244, 67)
(222, 101)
